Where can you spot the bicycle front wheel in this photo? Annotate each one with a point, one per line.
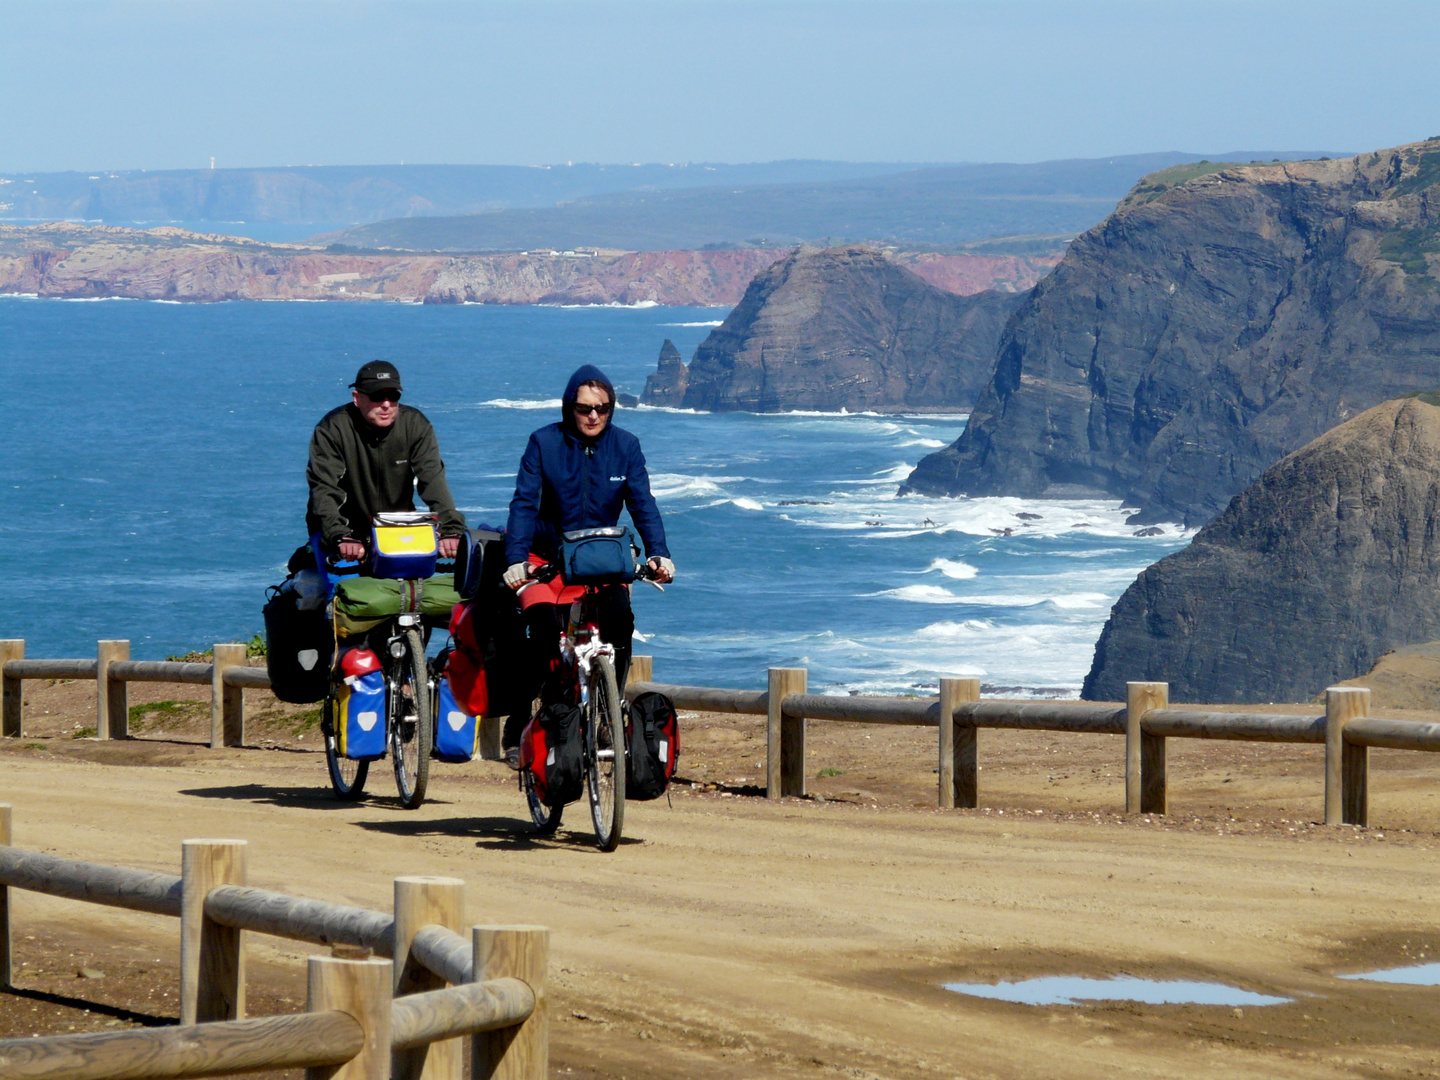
(605, 755)
(347, 777)
(412, 727)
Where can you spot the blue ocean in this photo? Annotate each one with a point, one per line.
(154, 486)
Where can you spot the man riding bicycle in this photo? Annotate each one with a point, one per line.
(371, 457)
(576, 474)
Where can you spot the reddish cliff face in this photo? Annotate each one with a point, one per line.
(171, 264)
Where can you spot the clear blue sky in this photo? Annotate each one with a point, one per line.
(90, 84)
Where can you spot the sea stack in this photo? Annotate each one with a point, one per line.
(1328, 561)
(666, 386)
(1220, 318)
(843, 328)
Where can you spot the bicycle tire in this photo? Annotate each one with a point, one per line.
(412, 728)
(347, 777)
(605, 775)
(546, 819)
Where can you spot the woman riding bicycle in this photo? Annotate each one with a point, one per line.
(576, 474)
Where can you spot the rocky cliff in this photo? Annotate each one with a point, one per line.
(842, 328)
(1308, 577)
(666, 386)
(1219, 319)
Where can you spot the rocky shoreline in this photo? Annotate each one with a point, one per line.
(76, 261)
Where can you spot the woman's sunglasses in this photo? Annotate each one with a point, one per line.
(592, 410)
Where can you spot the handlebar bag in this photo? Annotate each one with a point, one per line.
(551, 749)
(597, 557)
(403, 545)
(360, 725)
(457, 734)
(652, 741)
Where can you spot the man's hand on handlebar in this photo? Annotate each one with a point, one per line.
(517, 575)
(449, 545)
(351, 550)
(663, 569)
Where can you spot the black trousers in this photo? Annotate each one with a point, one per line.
(541, 651)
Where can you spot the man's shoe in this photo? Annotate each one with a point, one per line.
(511, 754)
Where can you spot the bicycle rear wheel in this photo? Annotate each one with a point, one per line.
(605, 755)
(347, 778)
(412, 728)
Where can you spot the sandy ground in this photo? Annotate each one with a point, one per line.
(736, 937)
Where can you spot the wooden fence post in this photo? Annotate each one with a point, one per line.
(642, 669)
(422, 901)
(959, 748)
(522, 1052)
(1347, 767)
(112, 700)
(1144, 754)
(6, 972)
(13, 695)
(784, 736)
(212, 957)
(362, 989)
(227, 703)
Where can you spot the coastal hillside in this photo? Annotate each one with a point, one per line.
(1327, 562)
(988, 208)
(1219, 319)
(840, 328)
(63, 260)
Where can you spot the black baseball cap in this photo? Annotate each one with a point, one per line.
(375, 376)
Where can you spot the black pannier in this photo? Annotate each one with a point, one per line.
(299, 644)
(652, 740)
(551, 748)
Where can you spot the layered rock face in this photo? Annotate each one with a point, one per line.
(845, 328)
(1331, 559)
(1212, 324)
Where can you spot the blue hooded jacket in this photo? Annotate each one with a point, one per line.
(567, 481)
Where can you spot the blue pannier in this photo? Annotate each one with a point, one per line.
(360, 734)
(456, 731)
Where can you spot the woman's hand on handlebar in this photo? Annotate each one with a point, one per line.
(661, 569)
(517, 575)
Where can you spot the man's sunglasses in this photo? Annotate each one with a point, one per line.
(385, 395)
(592, 410)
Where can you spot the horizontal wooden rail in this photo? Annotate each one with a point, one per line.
(172, 671)
(252, 678)
(303, 1040)
(419, 1019)
(138, 890)
(862, 710)
(291, 917)
(1393, 734)
(1043, 716)
(444, 952)
(705, 698)
(50, 669)
(1245, 727)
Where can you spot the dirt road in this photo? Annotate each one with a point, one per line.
(733, 937)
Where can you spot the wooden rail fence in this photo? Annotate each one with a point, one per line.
(407, 1011)
(1146, 720)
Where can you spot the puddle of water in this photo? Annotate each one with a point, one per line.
(1074, 989)
(1420, 975)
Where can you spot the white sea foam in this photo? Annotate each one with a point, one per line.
(681, 486)
(639, 305)
(920, 594)
(954, 568)
(747, 504)
(712, 322)
(929, 444)
(522, 403)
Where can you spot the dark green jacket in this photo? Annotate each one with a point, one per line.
(357, 470)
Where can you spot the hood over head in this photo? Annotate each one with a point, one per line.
(583, 374)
